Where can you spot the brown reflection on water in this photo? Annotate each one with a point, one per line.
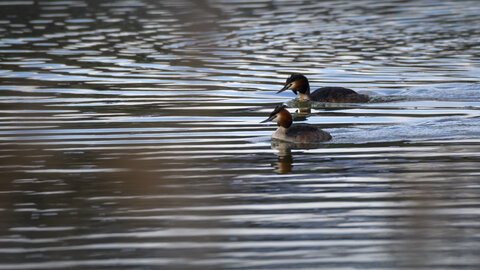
(77, 206)
(144, 186)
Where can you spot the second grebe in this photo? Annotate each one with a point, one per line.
(298, 82)
(295, 133)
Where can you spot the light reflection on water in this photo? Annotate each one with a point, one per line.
(130, 135)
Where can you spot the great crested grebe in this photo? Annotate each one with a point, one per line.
(301, 133)
(299, 83)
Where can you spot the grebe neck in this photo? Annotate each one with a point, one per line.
(284, 119)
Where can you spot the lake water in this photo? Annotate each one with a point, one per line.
(130, 135)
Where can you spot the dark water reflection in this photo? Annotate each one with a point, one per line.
(130, 135)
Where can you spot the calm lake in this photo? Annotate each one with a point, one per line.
(130, 135)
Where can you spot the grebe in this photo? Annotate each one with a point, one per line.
(302, 133)
(298, 82)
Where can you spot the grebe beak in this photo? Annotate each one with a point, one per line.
(269, 118)
(287, 86)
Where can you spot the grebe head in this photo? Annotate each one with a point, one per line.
(297, 82)
(284, 118)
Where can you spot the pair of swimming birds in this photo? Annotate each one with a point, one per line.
(305, 133)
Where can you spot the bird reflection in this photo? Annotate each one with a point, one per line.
(284, 162)
(304, 109)
(284, 153)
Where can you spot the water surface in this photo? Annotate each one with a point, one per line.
(130, 135)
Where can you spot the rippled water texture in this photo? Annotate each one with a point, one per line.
(130, 135)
